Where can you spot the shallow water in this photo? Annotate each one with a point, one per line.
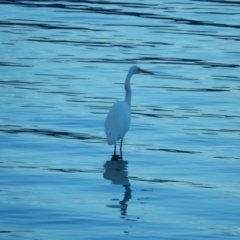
(63, 64)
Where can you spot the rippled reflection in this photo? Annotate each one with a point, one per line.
(116, 171)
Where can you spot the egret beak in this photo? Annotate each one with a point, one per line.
(144, 71)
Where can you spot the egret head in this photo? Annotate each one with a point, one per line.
(135, 69)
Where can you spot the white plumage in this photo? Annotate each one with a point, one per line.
(117, 122)
(119, 117)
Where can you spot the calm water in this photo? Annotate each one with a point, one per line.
(63, 64)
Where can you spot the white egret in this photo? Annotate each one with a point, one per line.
(119, 117)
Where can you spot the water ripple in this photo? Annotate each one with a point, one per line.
(45, 132)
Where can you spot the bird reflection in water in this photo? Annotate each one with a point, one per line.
(116, 171)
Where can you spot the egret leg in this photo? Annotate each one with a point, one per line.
(121, 149)
(115, 146)
(121, 145)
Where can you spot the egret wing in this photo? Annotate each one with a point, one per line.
(117, 122)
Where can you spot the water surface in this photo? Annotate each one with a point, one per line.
(63, 64)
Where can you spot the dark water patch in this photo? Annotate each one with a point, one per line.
(186, 21)
(14, 231)
(203, 33)
(172, 77)
(61, 170)
(202, 115)
(90, 7)
(231, 158)
(92, 43)
(148, 114)
(154, 44)
(86, 6)
(18, 167)
(12, 64)
(158, 115)
(161, 60)
(99, 113)
(89, 100)
(218, 115)
(19, 82)
(51, 133)
(86, 43)
(176, 20)
(57, 75)
(51, 4)
(159, 109)
(71, 94)
(64, 93)
(99, 100)
(174, 150)
(48, 26)
(224, 2)
(216, 131)
(73, 170)
(27, 88)
(204, 23)
(228, 78)
(198, 89)
(197, 185)
(165, 29)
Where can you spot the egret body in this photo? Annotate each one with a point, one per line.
(119, 117)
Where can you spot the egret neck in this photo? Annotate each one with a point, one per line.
(128, 88)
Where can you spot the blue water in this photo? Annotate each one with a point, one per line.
(63, 64)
